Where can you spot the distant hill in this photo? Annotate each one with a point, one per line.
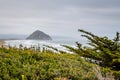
(39, 35)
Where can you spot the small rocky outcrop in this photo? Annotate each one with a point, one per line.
(39, 35)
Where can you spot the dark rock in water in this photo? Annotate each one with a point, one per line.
(39, 35)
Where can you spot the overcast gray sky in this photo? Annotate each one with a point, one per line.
(60, 17)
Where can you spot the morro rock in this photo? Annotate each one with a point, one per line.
(39, 35)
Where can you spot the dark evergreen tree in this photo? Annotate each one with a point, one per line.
(104, 51)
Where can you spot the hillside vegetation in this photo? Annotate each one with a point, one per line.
(26, 64)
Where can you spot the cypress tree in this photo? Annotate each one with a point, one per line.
(104, 51)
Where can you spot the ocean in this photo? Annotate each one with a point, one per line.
(56, 42)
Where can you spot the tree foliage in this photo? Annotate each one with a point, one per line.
(104, 51)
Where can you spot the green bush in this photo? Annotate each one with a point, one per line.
(16, 64)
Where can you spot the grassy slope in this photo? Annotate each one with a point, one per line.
(18, 64)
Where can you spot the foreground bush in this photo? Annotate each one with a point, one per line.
(19, 64)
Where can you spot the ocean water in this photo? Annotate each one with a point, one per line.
(56, 42)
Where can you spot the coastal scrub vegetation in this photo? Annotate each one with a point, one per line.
(29, 64)
(101, 61)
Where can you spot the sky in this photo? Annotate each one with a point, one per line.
(60, 17)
